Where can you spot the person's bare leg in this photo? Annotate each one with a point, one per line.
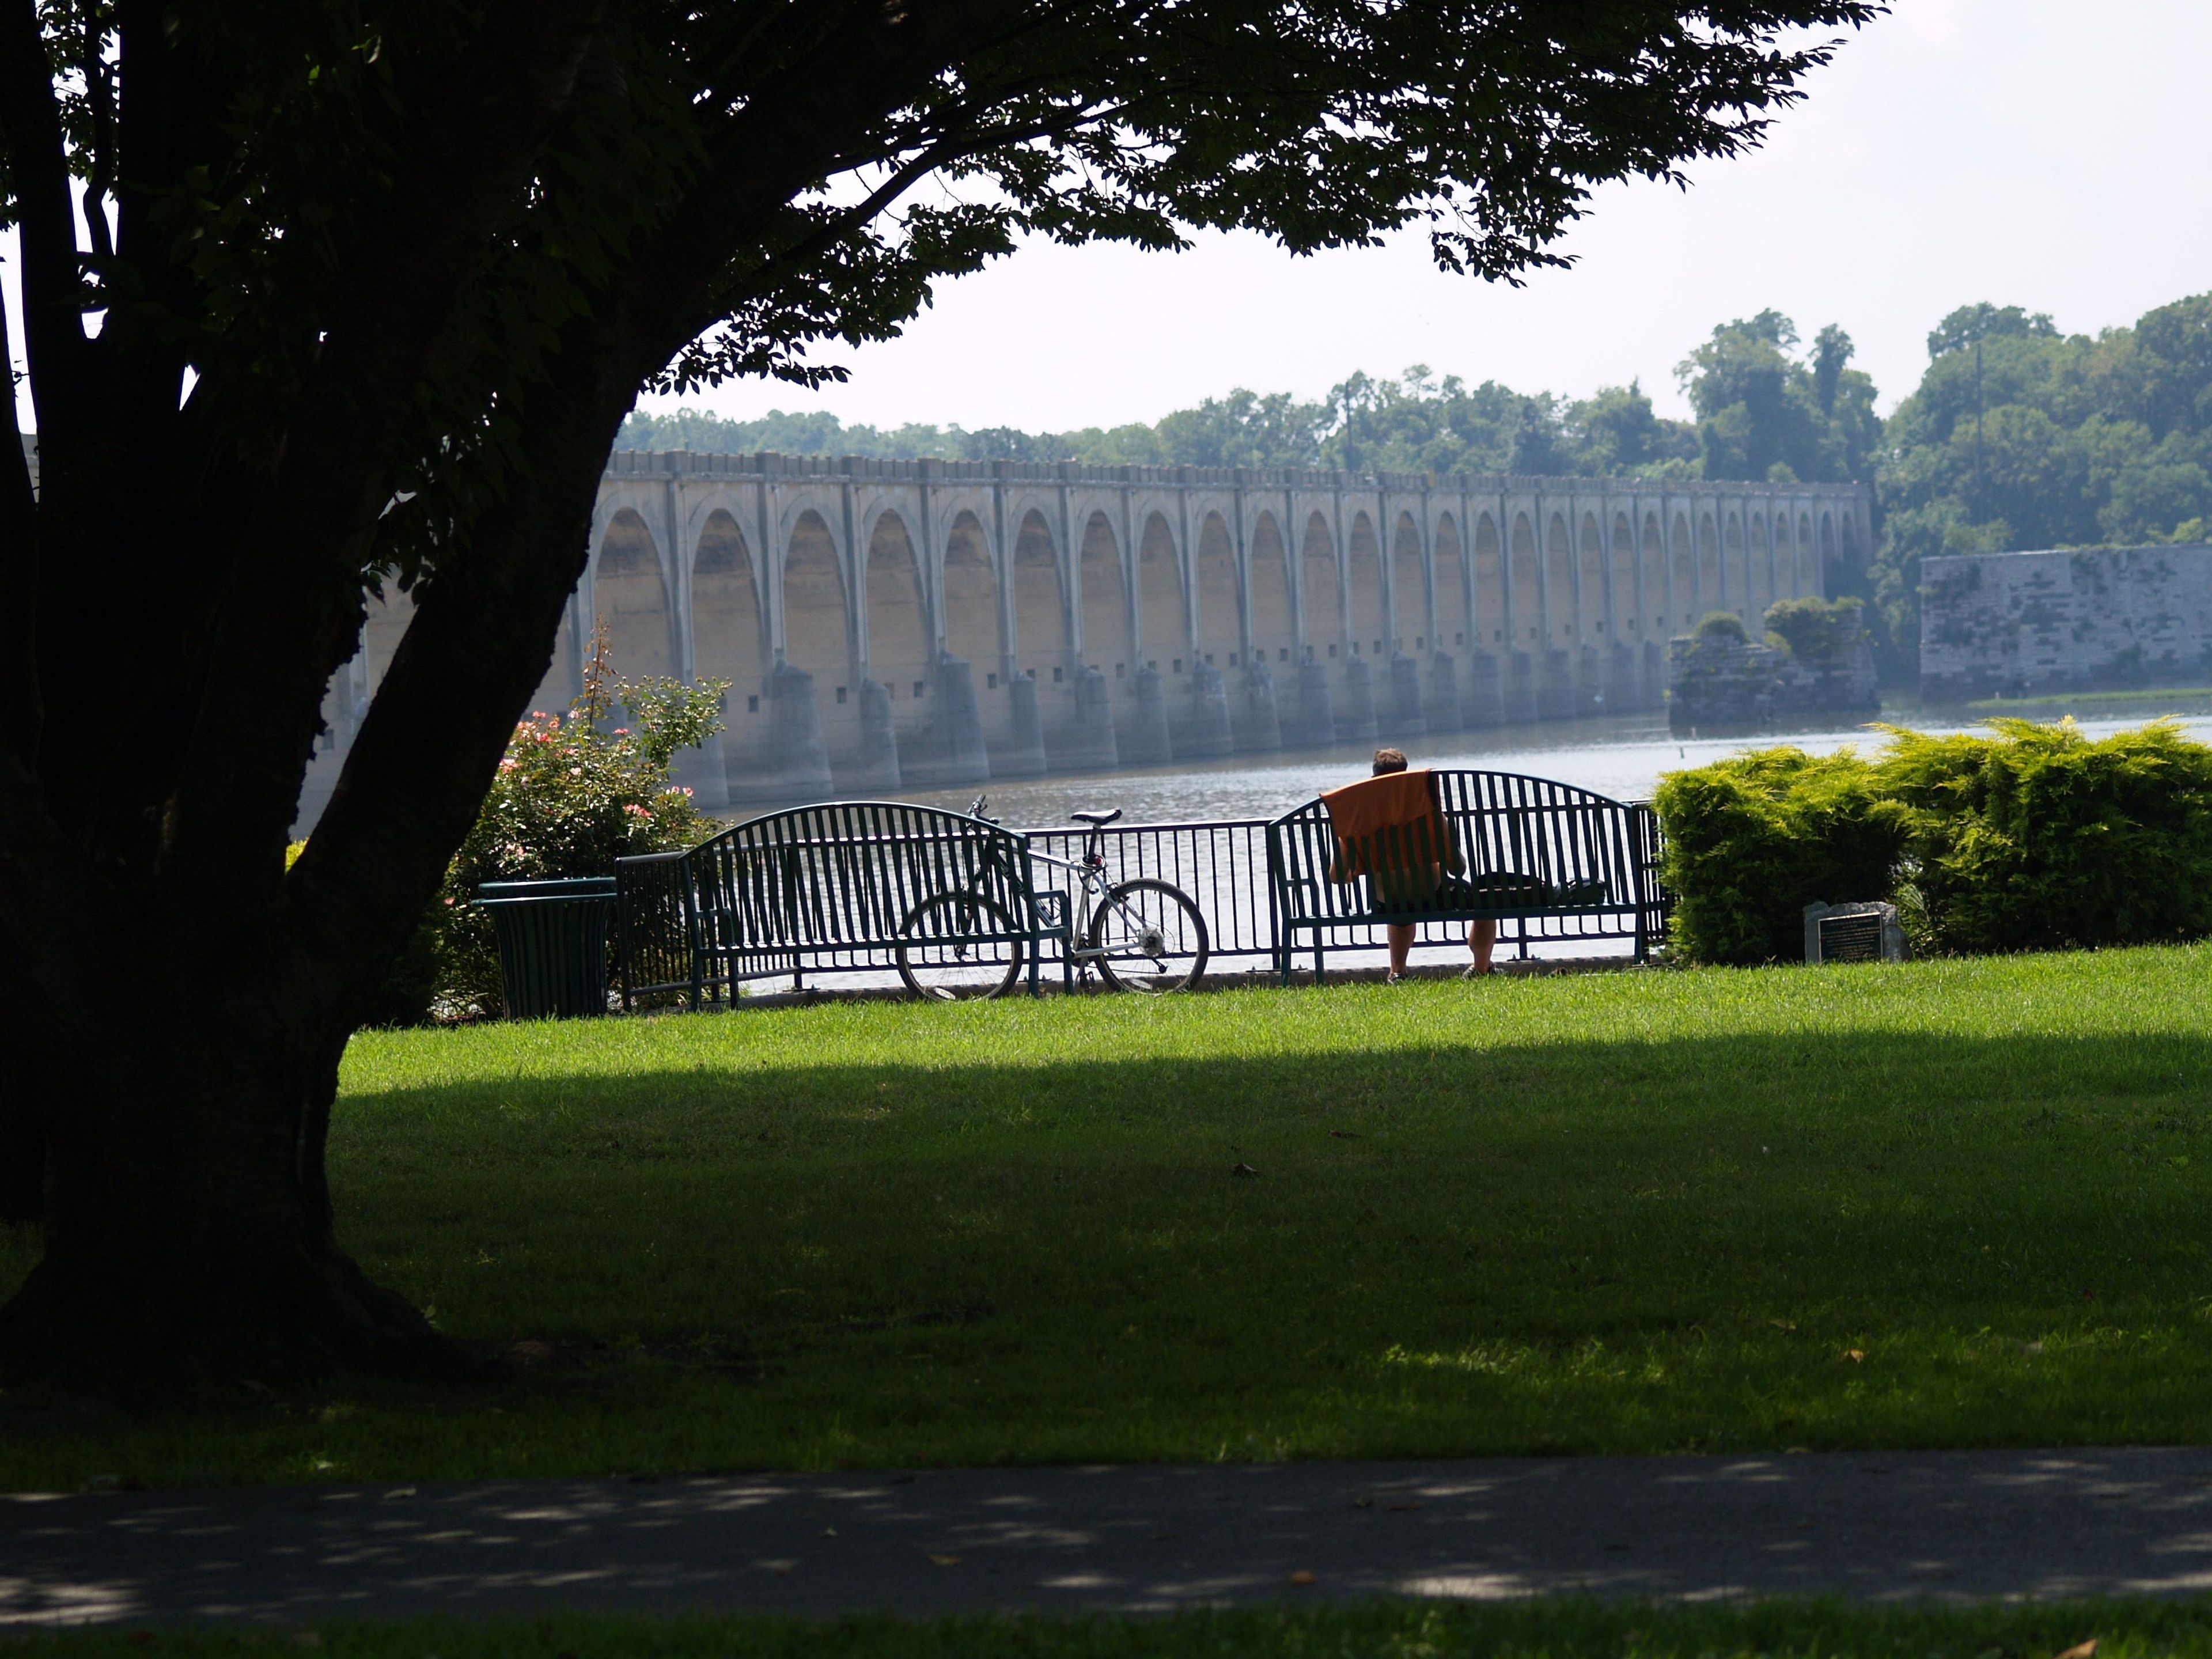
(1481, 940)
(1401, 942)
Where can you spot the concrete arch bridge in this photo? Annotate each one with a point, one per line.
(889, 625)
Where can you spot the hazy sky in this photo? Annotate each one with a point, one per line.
(2046, 153)
(2054, 154)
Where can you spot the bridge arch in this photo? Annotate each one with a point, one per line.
(899, 633)
(1107, 646)
(1690, 602)
(1409, 588)
(1451, 587)
(1712, 590)
(1559, 582)
(1626, 623)
(630, 592)
(1525, 592)
(1827, 550)
(817, 628)
(1219, 624)
(973, 627)
(1490, 618)
(729, 640)
(1042, 647)
(1274, 626)
(1364, 589)
(1590, 544)
(1654, 576)
(1735, 568)
(1323, 589)
(1762, 567)
(1165, 618)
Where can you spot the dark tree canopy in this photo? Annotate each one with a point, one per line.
(366, 290)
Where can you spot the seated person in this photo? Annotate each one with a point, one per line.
(1405, 811)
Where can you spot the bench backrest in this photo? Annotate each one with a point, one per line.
(1501, 824)
(841, 876)
(848, 874)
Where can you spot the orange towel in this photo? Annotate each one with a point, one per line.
(1395, 800)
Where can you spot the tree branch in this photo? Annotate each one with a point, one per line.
(54, 342)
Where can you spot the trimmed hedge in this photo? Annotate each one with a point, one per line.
(1750, 841)
(2031, 837)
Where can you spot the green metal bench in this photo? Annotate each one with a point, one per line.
(824, 888)
(1549, 860)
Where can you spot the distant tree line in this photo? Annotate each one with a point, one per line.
(1761, 413)
(2017, 436)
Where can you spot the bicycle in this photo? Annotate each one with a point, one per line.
(1145, 935)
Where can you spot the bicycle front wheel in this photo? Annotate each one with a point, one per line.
(941, 957)
(1148, 936)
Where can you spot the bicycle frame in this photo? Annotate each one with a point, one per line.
(1090, 871)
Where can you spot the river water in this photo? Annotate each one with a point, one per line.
(1621, 756)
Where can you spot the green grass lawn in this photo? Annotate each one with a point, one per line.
(1946, 1204)
(2135, 700)
(1552, 1629)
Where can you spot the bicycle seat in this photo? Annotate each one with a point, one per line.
(1096, 820)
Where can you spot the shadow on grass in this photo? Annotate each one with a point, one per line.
(1735, 1242)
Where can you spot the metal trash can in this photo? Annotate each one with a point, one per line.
(552, 944)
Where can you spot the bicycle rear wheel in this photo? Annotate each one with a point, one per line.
(1149, 937)
(941, 958)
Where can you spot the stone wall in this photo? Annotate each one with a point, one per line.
(2011, 624)
(1720, 684)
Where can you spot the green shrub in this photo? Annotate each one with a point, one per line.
(1815, 629)
(1750, 841)
(1722, 625)
(2036, 838)
(2029, 837)
(570, 799)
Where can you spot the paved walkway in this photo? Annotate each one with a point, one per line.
(1950, 1526)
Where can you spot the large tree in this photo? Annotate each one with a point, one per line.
(361, 290)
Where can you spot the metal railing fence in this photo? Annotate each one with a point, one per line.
(663, 952)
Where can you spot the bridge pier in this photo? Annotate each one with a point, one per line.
(948, 750)
(1313, 721)
(1519, 689)
(1624, 689)
(874, 767)
(1589, 680)
(1085, 742)
(796, 765)
(1654, 690)
(1355, 707)
(1555, 686)
(1258, 727)
(1019, 751)
(1441, 706)
(1203, 730)
(1141, 737)
(1404, 718)
(1482, 700)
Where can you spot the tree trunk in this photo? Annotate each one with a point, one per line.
(188, 1228)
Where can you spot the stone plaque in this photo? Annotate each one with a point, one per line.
(1853, 933)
